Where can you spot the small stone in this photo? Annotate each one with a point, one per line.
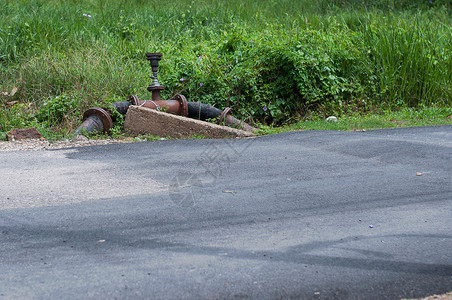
(229, 192)
(23, 134)
(332, 119)
(79, 138)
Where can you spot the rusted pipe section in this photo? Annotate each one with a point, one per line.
(201, 111)
(95, 120)
(206, 112)
(121, 107)
(231, 121)
(178, 106)
(228, 119)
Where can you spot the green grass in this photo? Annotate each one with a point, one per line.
(273, 62)
(427, 116)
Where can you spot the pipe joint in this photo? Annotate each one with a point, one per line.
(95, 119)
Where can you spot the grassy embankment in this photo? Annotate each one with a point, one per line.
(276, 63)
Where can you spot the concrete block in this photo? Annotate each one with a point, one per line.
(142, 120)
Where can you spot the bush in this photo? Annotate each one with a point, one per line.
(273, 77)
(62, 109)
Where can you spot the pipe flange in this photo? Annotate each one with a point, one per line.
(155, 88)
(183, 109)
(227, 111)
(102, 114)
(134, 100)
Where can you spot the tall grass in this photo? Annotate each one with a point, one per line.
(412, 57)
(271, 60)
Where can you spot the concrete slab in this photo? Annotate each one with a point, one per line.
(142, 120)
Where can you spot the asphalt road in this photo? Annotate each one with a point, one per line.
(301, 215)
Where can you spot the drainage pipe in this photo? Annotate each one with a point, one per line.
(181, 107)
(178, 106)
(205, 112)
(121, 107)
(95, 120)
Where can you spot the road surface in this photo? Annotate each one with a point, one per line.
(300, 215)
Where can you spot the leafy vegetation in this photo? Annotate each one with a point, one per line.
(274, 62)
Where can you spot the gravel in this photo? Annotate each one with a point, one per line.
(43, 144)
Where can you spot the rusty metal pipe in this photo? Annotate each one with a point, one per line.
(205, 112)
(194, 110)
(121, 107)
(201, 111)
(95, 120)
(90, 125)
(231, 121)
(178, 106)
